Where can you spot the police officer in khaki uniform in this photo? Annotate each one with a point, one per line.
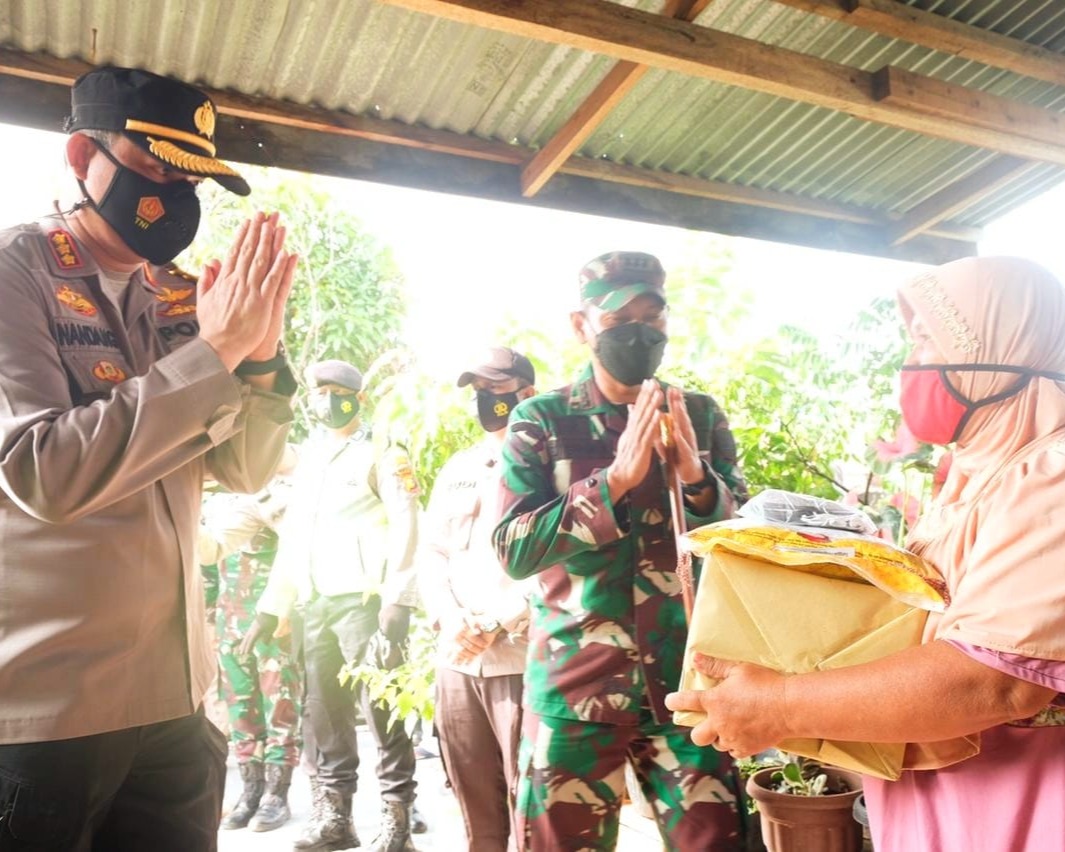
(123, 386)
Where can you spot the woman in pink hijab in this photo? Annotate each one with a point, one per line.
(986, 373)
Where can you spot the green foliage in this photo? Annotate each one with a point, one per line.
(794, 775)
(408, 689)
(432, 420)
(803, 409)
(348, 298)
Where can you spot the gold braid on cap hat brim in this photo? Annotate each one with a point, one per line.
(195, 164)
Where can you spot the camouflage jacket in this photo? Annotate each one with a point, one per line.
(608, 629)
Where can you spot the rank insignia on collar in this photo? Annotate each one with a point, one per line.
(165, 294)
(107, 371)
(66, 295)
(64, 250)
(177, 310)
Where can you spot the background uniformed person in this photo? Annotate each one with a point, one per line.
(261, 688)
(482, 613)
(346, 552)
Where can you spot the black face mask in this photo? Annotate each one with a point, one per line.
(493, 409)
(335, 410)
(630, 352)
(156, 221)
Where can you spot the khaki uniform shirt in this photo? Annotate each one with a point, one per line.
(458, 569)
(351, 526)
(110, 419)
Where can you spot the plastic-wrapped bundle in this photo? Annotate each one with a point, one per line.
(787, 507)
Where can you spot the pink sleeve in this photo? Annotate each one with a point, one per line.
(1048, 673)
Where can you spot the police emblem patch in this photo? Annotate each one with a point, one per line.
(405, 474)
(66, 295)
(149, 209)
(107, 371)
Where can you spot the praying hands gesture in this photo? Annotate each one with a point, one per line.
(242, 299)
(643, 437)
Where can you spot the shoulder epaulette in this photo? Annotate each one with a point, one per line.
(177, 271)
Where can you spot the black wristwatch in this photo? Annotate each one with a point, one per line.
(695, 488)
(262, 368)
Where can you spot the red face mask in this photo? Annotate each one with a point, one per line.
(931, 410)
(936, 413)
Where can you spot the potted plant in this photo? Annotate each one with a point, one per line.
(804, 806)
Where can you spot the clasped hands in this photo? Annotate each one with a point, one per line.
(241, 300)
(642, 438)
(467, 637)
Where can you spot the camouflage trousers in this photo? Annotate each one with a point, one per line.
(571, 778)
(262, 696)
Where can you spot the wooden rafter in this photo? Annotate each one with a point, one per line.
(618, 82)
(928, 29)
(1000, 172)
(641, 37)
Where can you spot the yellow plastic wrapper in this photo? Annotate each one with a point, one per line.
(840, 554)
(801, 599)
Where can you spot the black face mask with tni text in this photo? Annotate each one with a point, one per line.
(156, 221)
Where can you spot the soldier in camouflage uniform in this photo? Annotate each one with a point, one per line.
(585, 507)
(261, 689)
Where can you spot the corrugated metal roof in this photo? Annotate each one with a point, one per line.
(365, 58)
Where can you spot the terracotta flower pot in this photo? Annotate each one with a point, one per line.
(793, 823)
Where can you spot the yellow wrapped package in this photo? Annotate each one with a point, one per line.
(800, 599)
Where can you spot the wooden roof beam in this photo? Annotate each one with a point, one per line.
(645, 38)
(950, 102)
(619, 81)
(42, 100)
(47, 69)
(624, 194)
(1000, 172)
(897, 20)
(748, 196)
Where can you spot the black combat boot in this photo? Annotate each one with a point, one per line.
(330, 827)
(394, 835)
(251, 773)
(418, 825)
(273, 808)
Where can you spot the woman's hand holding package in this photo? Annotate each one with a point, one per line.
(745, 712)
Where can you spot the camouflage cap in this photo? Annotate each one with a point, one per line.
(498, 364)
(613, 280)
(335, 372)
